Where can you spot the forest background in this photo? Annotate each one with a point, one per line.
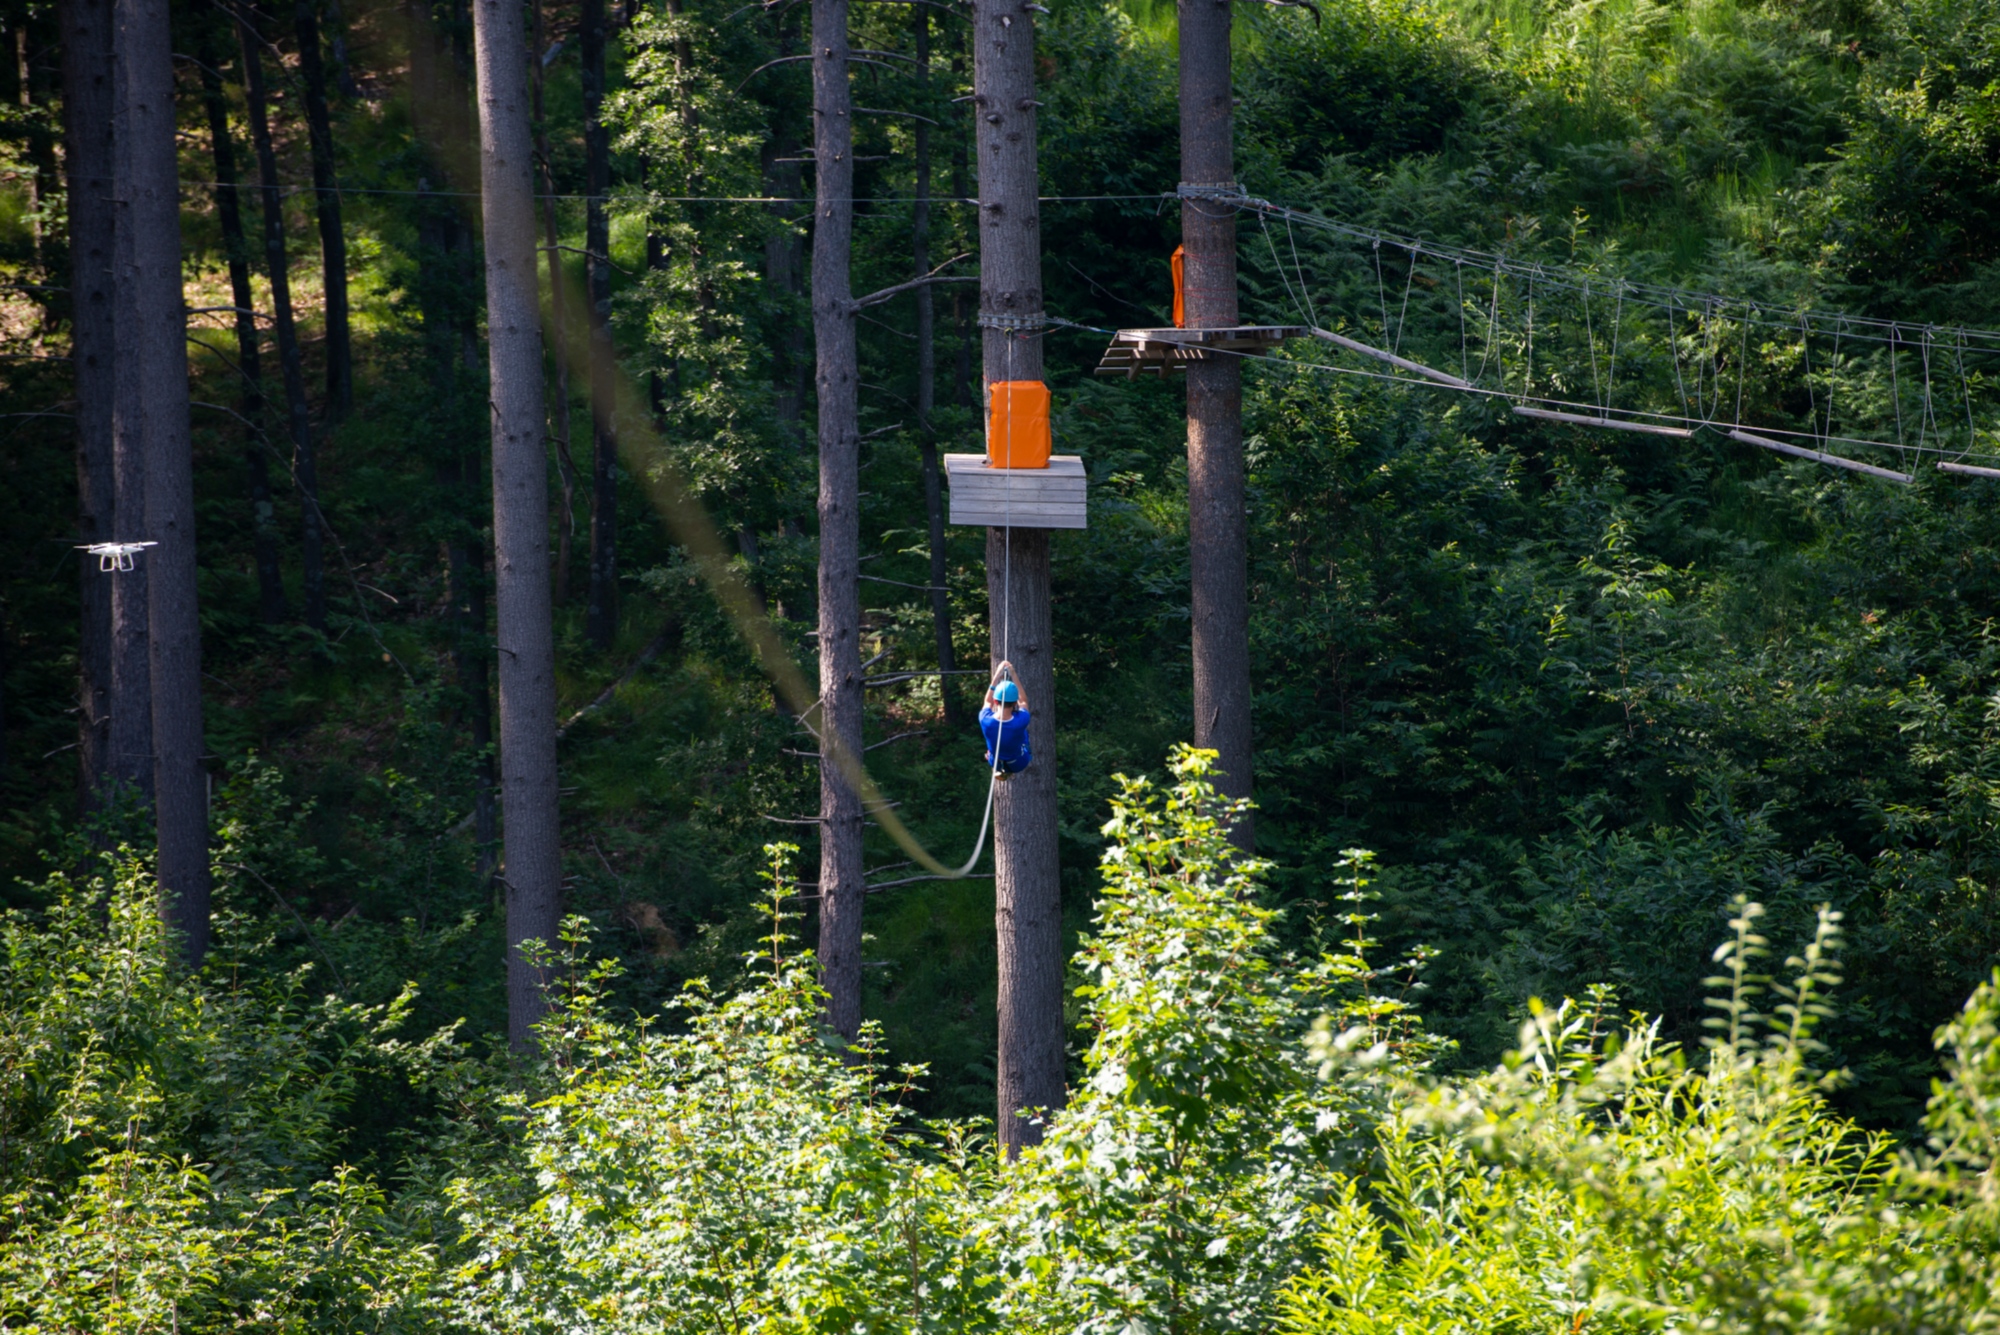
(1579, 693)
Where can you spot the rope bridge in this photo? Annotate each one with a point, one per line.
(1569, 345)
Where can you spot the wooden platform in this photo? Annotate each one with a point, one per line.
(1137, 352)
(984, 497)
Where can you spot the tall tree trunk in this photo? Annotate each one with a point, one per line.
(838, 380)
(291, 368)
(336, 47)
(1027, 884)
(446, 299)
(271, 609)
(920, 245)
(526, 636)
(326, 197)
(784, 268)
(1218, 558)
(961, 188)
(601, 610)
(86, 37)
(38, 184)
(558, 320)
(466, 574)
(132, 700)
(152, 342)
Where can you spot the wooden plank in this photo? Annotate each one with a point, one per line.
(1819, 456)
(1064, 487)
(984, 497)
(1613, 423)
(1060, 465)
(982, 518)
(1022, 505)
(1355, 345)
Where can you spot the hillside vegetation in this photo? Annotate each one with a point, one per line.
(1620, 950)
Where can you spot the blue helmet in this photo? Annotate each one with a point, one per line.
(1006, 692)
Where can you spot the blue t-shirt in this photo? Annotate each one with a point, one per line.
(1006, 740)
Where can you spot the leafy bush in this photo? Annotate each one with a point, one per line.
(168, 1145)
(1261, 1142)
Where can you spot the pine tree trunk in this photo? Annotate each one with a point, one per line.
(558, 324)
(86, 37)
(784, 263)
(271, 608)
(326, 196)
(526, 635)
(153, 342)
(837, 376)
(466, 573)
(1218, 559)
(40, 144)
(132, 759)
(601, 609)
(920, 245)
(961, 188)
(336, 47)
(291, 366)
(1027, 883)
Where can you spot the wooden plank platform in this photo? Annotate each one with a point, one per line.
(1137, 352)
(986, 497)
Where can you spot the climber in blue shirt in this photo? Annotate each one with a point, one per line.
(1004, 723)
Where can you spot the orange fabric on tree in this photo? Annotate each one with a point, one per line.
(1180, 300)
(1017, 424)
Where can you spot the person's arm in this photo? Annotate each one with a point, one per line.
(1001, 669)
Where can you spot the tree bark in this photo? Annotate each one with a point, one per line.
(601, 608)
(1218, 560)
(558, 323)
(326, 197)
(837, 377)
(131, 615)
(526, 639)
(291, 367)
(466, 573)
(446, 300)
(152, 352)
(1027, 883)
(920, 245)
(41, 181)
(336, 45)
(271, 608)
(961, 188)
(784, 265)
(86, 36)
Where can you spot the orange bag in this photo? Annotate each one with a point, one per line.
(1180, 303)
(1017, 424)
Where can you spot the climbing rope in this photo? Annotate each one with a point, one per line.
(1006, 613)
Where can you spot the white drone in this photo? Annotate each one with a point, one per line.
(115, 555)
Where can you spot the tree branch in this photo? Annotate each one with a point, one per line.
(286, 904)
(881, 111)
(934, 276)
(593, 255)
(646, 655)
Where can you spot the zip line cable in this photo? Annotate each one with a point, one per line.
(642, 198)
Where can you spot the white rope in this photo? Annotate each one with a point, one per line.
(1006, 608)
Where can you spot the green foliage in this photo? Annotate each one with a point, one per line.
(1600, 1180)
(1262, 1142)
(169, 1145)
